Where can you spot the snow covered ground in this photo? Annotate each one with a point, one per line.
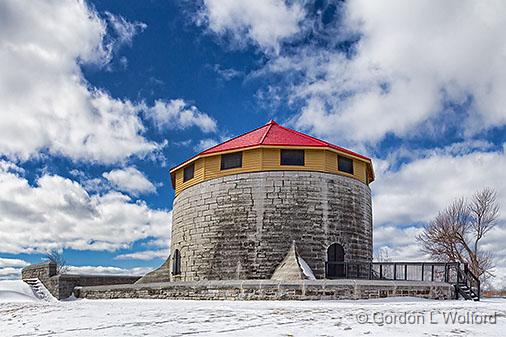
(16, 291)
(225, 318)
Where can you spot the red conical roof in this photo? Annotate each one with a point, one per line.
(271, 134)
(275, 135)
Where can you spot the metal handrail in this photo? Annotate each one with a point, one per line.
(390, 270)
(449, 272)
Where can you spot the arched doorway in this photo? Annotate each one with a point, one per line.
(335, 261)
(176, 263)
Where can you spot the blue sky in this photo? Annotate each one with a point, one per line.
(100, 98)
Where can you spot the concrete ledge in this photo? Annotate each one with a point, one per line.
(271, 290)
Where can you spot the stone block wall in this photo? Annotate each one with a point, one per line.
(272, 290)
(62, 285)
(65, 283)
(241, 226)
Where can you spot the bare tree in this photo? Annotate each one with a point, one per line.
(382, 255)
(57, 257)
(455, 234)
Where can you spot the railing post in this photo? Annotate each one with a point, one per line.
(346, 270)
(381, 271)
(459, 272)
(423, 269)
(405, 272)
(479, 289)
(432, 273)
(446, 273)
(370, 270)
(395, 271)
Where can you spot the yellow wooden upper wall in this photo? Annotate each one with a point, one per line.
(268, 159)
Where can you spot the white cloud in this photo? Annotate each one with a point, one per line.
(227, 73)
(411, 60)
(124, 30)
(178, 114)
(205, 144)
(145, 255)
(263, 22)
(400, 243)
(59, 213)
(10, 273)
(109, 270)
(418, 190)
(130, 180)
(6, 262)
(11, 268)
(47, 105)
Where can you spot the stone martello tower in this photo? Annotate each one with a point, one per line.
(241, 205)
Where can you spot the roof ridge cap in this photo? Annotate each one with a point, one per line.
(325, 143)
(270, 124)
(304, 135)
(231, 139)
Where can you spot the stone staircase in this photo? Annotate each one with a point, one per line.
(40, 290)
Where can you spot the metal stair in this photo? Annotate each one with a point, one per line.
(39, 290)
(467, 285)
(467, 292)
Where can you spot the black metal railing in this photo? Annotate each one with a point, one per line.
(455, 273)
(468, 285)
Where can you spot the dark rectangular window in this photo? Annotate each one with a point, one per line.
(345, 164)
(292, 157)
(188, 172)
(231, 160)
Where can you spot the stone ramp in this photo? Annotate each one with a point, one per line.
(162, 274)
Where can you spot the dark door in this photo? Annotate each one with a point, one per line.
(335, 261)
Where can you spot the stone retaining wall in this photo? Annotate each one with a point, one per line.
(62, 285)
(271, 290)
(241, 226)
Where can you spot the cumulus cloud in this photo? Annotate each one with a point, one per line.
(178, 114)
(109, 270)
(57, 212)
(46, 103)
(145, 255)
(417, 67)
(6, 262)
(263, 22)
(419, 189)
(11, 268)
(400, 243)
(130, 180)
(411, 195)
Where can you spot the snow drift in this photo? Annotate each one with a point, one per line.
(16, 291)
